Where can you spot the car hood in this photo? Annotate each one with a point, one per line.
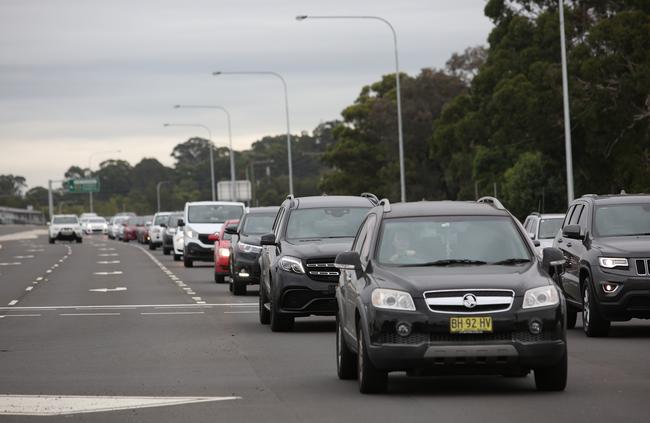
(326, 247)
(204, 228)
(417, 280)
(635, 245)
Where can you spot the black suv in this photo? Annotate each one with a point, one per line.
(606, 242)
(297, 273)
(448, 287)
(245, 247)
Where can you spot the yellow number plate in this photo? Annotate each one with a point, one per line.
(470, 324)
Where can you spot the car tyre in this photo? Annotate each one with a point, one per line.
(371, 379)
(79, 240)
(265, 315)
(177, 257)
(346, 359)
(593, 323)
(51, 240)
(280, 323)
(152, 247)
(571, 317)
(218, 278)
(552, 378)
(166, 251)
(187, 262)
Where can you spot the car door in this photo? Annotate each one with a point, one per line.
(269, 251)
(571, 250)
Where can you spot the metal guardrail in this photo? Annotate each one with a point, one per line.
(10, 215)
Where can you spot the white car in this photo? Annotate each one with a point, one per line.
(64, 227)
(116, 226)
(542, 228)
(156, 231)
(95, 225)
(179, 245)
(202, 219)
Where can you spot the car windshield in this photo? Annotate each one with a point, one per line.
(65, 220)
(213, 213)
(173, 220)
(448, 240)
(548, 228)
(97, 220)
(257, 224)
(333, 222)
(160, 219)
(622, 220)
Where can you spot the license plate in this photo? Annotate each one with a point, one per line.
(470, 324)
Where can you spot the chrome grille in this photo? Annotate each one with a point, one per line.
(322, 270)
(642, 266)
(484, 300)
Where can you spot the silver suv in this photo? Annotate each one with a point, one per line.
(64, 227)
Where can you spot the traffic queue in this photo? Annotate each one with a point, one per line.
(426, 288)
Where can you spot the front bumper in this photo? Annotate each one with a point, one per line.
(66, 236)
(247, 267)
(195, 251)
(431, 348)
(631, 300)
(299, 296)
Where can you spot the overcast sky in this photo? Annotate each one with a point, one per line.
(79, 77)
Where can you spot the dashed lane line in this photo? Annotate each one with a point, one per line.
(12, 302)
(90, 314)
(117, 272)
(170, 313)
(135, 306)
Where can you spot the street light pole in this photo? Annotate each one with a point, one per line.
(90, 171)
(286, 110)
(198, 125)
(400, 137)
(567, 120)
(232, 152)
(158, 193)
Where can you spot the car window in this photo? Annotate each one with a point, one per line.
(257, 224)
(65, 220)
(548, 228)
(213, 213)
(567, 218)
(278, 221)
(367, 242)
(576, 214)
(173, 220)
(422, 240)
(160, 219)
(360, 239)
(622, 220)
(326, 222)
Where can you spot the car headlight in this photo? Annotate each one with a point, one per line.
(612, 262)
(392, 299)
(543, 296)
(224, 252)
(291, 264)
(248, 248)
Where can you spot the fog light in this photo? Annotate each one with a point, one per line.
(243, 274)
(609, 287)
(535, 327)
(403, 329)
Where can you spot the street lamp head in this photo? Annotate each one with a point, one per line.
(301, 17)
(215, 73)
(165, 124)
(177, 106)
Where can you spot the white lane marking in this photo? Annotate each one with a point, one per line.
(119, 288)
(89, 314)
(60, 405)
(108, 255)
(200, 302)
(29, 288)
(108, 262)
(35, 250)
(117, 272)
(14, 263)
(113, 306)
(197, 298)
(240, 312)
(40, 278)
(48, 271)
(22, 315)
(23, 257)
(55, 265)
(12, 302)
(107, 249)
(156, 313)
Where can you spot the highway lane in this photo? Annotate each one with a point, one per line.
(155, 339)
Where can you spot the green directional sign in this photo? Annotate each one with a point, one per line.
(82, 185)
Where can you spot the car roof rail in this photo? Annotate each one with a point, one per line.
(370, 196)
(385, 203)
(292, 200)
(535, 213)
(492, 201)
(590, 195)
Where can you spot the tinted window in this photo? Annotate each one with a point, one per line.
(576, 214)
(568, 216)
(548, 228)
(173, 220)
(413, 241)
(65, 220)
(160, 219)
(332, 222)
(258, 224)
(213, 213)
(622, 220)
(365, 248)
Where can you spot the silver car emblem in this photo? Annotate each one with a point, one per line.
(469, 300)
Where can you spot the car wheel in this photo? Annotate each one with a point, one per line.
(238, 287)
(188, 262)
(51, 240)
(346, 360)
(177, 257)
(552, 378)
(265, 315)
(79, 240)
(571, 317)
(593, 323)
(166, 251)
(217, 278)
(280, 323)
(152, 246)
(371, 379)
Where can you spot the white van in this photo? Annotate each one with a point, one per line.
(200, 220)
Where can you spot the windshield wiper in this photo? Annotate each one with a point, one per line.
(446, 262)
(512, 261)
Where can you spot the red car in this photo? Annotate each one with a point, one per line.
(222, 251)
(131, 228)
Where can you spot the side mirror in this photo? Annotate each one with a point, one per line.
(231, 230)
(552, 258)
(180, 223)
(536, 243)
(213, 237)
(268, 239)
(572, 231)
(348, 260)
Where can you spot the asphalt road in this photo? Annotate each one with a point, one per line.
(163, 331)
